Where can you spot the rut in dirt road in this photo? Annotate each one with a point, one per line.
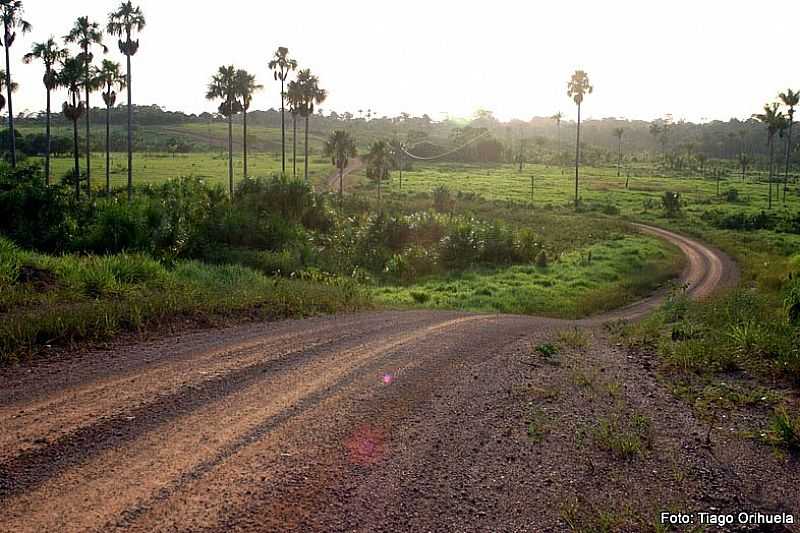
(383, 421)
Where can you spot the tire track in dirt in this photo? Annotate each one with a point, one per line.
(109, 396)
(138, 448)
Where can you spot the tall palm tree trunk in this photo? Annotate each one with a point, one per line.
(341, 185)
(244, 142)
(305, 158)
(130, 129)
(47, 150)
(88, 139)
(108, 149)
(788, 157)
(283, 131)
(294, 146)
(10, 104)
(75, 150)
(577, 156)
(771, 160)
(401, 170)
(230, 152)
(619, 159)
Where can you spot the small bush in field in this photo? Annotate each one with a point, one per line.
(671, 202)
(442, 199)
(541, 259)
(420, 297)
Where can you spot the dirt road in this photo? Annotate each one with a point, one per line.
(354, 165)
(382, 421)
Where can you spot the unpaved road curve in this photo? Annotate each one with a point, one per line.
(354, 165)
(380, 421)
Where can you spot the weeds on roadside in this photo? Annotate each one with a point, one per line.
(575, 338)
(785, 430)
(582, 516)
(537, 427)
(625, 437)
(546, 350)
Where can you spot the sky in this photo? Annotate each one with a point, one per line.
(698, 60)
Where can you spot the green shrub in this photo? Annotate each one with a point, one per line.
(671, 202)
(10, 262)
(461, 246)
(33, 214)
(420, 297)
(791, 300)
(786, 429)
(541, 259)
(547, 350)
(442, 199)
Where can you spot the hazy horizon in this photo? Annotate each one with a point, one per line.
(452, 58)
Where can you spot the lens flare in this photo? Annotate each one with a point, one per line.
(366, 446)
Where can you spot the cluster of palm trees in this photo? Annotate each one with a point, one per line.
(778, 123)
(236, 87)
(79, 75)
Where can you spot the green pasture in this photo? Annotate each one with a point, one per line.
(604, 276)
(549, 187)
(212, 167)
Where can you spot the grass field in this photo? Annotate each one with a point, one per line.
(211, 167)
(601, 186)
(598, 278)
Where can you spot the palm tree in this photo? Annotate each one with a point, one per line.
(790, 99)
(11, 12)
(557, 117)
(123, 23)
(294, 97)
(50, 54)
(618, 132)
(655, 131)
(379, 162)
(71, 77)
(110, 78)
(744, 162)
(772, 118)
(246, 86)
(14, 88)
(577, 88)
(701, 160)
(87, 34)
(281, 64)
(311, 94)
(340, 147)
(224, 86)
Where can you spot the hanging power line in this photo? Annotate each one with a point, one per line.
(454, 150)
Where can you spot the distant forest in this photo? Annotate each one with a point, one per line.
(536, 140)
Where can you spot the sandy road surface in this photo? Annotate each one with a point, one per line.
(332, 180)
(381, 421)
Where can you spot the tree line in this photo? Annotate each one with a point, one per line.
(76, 71)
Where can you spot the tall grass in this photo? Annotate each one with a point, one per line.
(96, 297)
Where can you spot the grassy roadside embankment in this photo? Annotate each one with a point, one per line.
(47, 300)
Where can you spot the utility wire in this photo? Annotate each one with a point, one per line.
(432, 158)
